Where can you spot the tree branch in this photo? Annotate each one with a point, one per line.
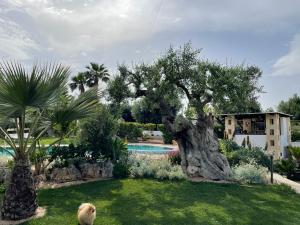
(184, 88)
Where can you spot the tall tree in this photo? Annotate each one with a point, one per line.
(180, 74)
(96, 72)
(291, 106)
(30, 99)
(79, 81)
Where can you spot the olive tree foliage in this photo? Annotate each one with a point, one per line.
(181, 75)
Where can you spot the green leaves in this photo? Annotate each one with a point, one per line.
(82, 107)
(20, 89)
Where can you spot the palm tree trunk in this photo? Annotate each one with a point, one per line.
(20, 200)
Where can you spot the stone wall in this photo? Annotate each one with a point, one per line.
(85, 171)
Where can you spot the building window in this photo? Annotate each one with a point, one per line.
(229, 122)
(229, 131)
(271, 121)
(272, 143)
(271, 131)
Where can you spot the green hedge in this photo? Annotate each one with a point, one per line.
(131, 131)
(167, 136)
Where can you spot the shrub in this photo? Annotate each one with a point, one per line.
(120, 149)
(162, 169)
(2, 188)
(227, 146)
(120, 159)
(167, 135)
(174, 157)
(285, 166)
(219, 130)
(237, 154)
(97, 133)
(250, 173)
(121, 170)
(295, 151)
(245, 155)
(130, 130)
(295, 136)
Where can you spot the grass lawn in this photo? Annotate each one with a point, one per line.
(50, 140)
(134, 201)
(46, 141)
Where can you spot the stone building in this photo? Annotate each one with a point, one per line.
(270, 131)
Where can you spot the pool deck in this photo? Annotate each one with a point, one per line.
(173, 147)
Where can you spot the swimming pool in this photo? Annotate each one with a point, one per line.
(149, 149)
(4, 153)
(131, 147)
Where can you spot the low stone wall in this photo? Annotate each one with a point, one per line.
(85, 171)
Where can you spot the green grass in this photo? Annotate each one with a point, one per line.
(47, 141)
(145, 202)
(50, 140)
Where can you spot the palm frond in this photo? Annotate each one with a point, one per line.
(20, 89)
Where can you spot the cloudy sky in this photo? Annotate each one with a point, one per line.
(261, 32)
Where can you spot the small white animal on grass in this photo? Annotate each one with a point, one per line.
(86, 214)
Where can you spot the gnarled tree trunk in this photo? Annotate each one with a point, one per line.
(199, 149)
(20, 200)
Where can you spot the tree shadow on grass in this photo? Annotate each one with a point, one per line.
(207, 203)
(145, 201)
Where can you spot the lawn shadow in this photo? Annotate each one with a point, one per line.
(146, 201)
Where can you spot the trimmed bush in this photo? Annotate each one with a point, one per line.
(250, 173)
(167, 136)
(131, 131)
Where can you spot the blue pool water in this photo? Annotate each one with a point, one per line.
(148, 149)
(132, 148)
(5, 153)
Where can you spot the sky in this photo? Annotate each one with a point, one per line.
(265, 33)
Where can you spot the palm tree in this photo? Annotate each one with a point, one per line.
(79, 82)
(30, 99)
(96, 73)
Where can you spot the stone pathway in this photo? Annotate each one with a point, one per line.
(278, 179)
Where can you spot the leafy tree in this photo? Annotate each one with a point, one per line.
(96, 72)
(270, 109)
(79, 82)
(30, 99)
(180, 74)
(98, 132)
(127, 113)
(145, 112)
(291, 106)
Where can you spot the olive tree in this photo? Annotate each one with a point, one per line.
(180, 74)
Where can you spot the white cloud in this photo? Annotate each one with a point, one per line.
(70, 27)
(289, 64)
(14, 41)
